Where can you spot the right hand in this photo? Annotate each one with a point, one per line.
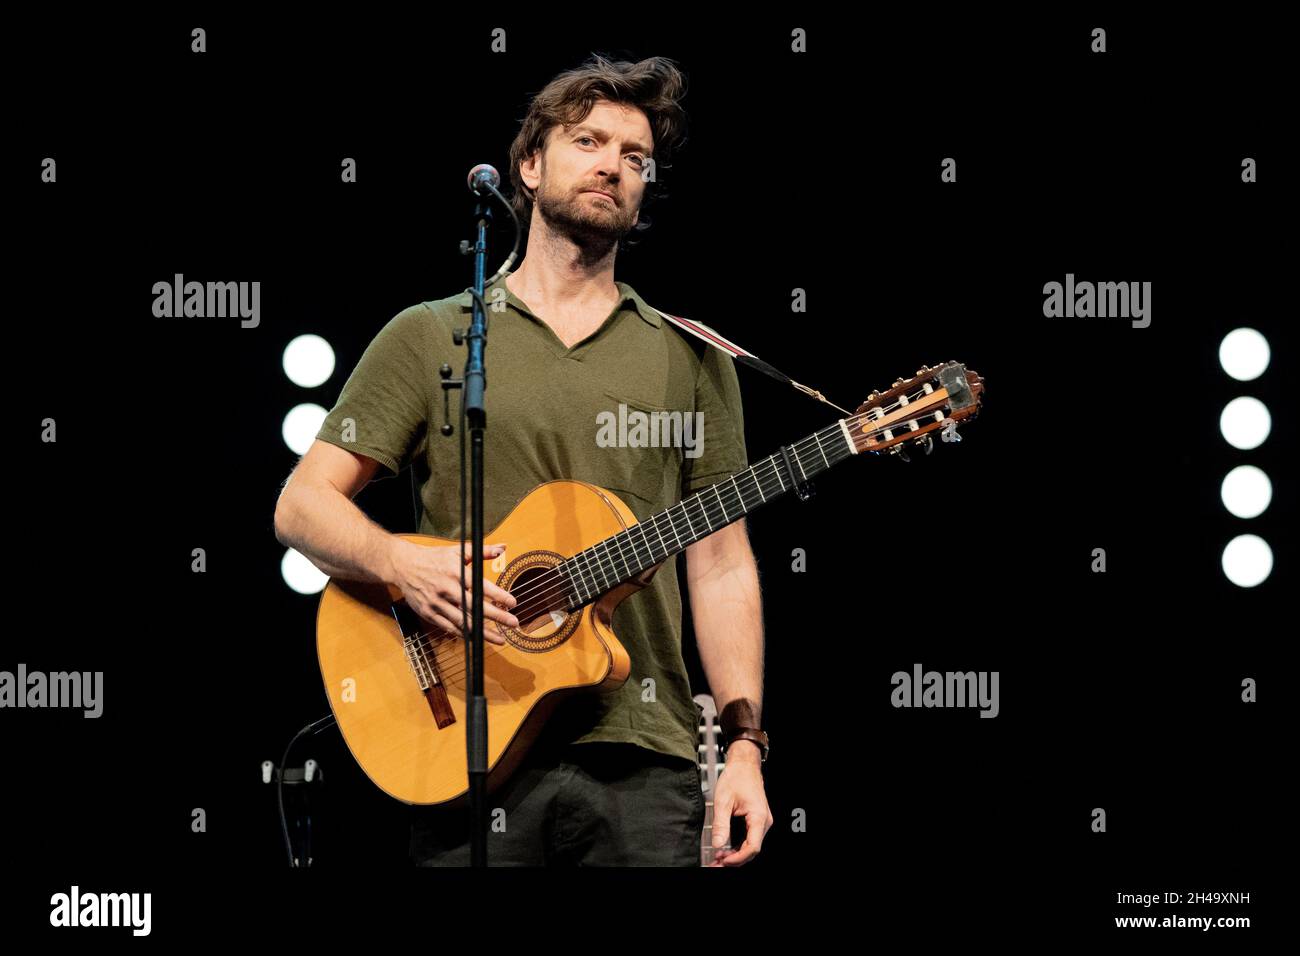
(429, 579)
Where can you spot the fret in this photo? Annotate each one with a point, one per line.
(626, 548)
(688, 521)
(820, 449)
(705, 513)
(571, 594)
(673, 525)
(649, 549)
(591, 570)
(743, 506)
(706, 504)
(659, 534)
(772, 460)
(624, 544)
(600, 565)
(606, 564)
(625, 538)
(795, 449)
(725, 517)
(606, 544)
(582, 575)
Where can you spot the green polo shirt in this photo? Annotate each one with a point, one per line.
(551, 413)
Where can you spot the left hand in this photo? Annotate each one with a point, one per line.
(740, 793)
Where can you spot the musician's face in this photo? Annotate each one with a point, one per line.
(605, 152)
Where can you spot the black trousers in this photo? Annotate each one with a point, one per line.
(588, 804)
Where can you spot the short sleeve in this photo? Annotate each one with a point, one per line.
(383, 409)
(717, 396)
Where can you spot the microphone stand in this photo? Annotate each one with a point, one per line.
(475, 382)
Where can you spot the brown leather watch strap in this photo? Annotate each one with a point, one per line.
(759, 737)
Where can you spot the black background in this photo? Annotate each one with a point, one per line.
(820, 171)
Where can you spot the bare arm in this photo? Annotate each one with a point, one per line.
(316, 517)
(722, 578)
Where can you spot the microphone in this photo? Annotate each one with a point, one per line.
(482, 175)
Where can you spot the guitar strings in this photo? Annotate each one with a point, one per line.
(553, 583)
(545, 581)
(555, 587)
(419, 641)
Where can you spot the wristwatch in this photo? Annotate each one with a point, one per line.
(759, 737)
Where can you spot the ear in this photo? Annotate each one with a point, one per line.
(530, 170)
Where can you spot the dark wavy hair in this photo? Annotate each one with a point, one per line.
(655, 86)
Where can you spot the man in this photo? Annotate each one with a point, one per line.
(613, 779)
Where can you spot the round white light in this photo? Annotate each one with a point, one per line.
(1247, 560)
(308, 361)
(1244, 354)
(1246, 491)
(300, 574)
(301, 425)
(1245, 423)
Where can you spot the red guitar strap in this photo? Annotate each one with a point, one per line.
(702, 331)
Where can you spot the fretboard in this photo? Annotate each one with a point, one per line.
(621, 557)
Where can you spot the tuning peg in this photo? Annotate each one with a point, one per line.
(899, 451)
(873, 396)
(926, 442)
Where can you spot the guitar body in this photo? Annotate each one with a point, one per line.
(392, 723)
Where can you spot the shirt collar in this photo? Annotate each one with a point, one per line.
(629, 295)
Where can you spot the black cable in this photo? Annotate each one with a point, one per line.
(519, 232)
(316, 726)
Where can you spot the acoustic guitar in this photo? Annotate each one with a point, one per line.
(398, 687)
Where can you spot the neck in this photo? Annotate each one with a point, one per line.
(623, 556)
(558, 272)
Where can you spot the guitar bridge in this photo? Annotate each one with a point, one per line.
(424, 665)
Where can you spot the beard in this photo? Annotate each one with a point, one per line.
(586, 221)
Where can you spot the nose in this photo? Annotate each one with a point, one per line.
(608, 166)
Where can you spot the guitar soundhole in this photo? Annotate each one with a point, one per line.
(531, 578)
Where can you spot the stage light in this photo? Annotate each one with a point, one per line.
(301, 425)
(1245, 423)
(1246, 491)
(300, 574)
(308, 361)
(1244, 354)
(1247, 560)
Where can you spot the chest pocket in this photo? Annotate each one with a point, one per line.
(647, 461)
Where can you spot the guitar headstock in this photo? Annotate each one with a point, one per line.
(935, 398)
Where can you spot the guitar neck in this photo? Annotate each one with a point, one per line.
(621, 557)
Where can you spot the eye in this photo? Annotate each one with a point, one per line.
(640, 160)
(587, 138)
